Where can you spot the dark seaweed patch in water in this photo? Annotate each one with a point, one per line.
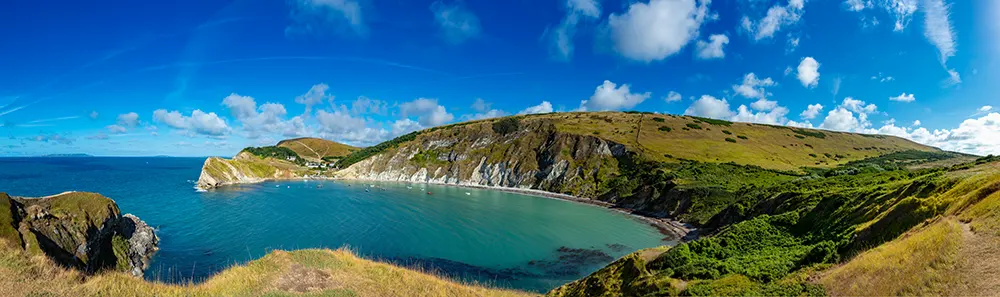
(571, 261)
(617, 247)
(456, 269)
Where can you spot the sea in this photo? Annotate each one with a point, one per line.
(479, 236)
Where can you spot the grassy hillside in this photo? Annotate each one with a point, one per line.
(315, 149)
(280, 273)
(854, 230)
(671, 138)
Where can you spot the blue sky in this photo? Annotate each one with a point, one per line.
(197, 78)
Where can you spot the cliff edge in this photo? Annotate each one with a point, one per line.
(84, 231)
(245, 168)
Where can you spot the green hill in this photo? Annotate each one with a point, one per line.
(317, 149)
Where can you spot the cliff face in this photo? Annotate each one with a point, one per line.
(535, 156)
(243, 169)
(80, 230)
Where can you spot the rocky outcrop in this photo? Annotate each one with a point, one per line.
(84, 231)
(245, 168)
(536, 156)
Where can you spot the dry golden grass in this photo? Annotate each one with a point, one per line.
(920, 263)
(280, 273)
(316, 148)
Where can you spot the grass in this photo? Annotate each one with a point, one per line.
(920, 264)
(280, 273)
(316, 148)
(8, 231)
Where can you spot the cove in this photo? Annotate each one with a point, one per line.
(476, 235)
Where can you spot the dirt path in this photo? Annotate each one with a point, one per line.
(979, 264)
(318, 156)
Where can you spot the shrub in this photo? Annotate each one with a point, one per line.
(658, 120)
(727, 132)
(506, 126)
(714, 121)
(742, 137)
(665, 128)
(730, 140)
(816, 134)
(800, 137)
(364, 153)
(812, 155)
(694, 126)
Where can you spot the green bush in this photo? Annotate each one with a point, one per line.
(506, 125)
(727, 132)
(665, 128)
(694, 126)
(364, 153)
(730, 140)
(742, 137)
(658, 120)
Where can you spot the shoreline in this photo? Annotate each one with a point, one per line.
(681, 232)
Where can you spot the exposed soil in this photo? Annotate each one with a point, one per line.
(303, 280)
(979, 264)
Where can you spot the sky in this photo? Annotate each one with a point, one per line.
(205, 77)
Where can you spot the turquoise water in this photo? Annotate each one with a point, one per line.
(504, 239)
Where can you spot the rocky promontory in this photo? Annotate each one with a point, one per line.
(245, 168)
(84, 231)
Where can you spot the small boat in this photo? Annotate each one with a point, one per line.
(289, 187)
(367, 190)
(429, 193)
(468, 194)
(277, 186)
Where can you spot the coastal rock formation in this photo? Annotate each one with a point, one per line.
(84, 231)
(245, 168)
(536, 156)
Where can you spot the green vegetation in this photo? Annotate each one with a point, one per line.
(808, 133)
(694, 126)
(727, 132)
(772, 233)
(742, 137)
(713, 121)
(277, 152)
(8, 230)
(364, 153)
(665, 128)
(317, 149)
(506, 125)
(659, 120)
(730, 140)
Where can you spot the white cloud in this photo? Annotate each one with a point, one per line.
(321, 16)
(128, 120)
(338, 122)
(938, 28)
(812, 111)
(768, 112)
(483, 111)
(404, 126)
(985, 108)
(805, 124)
(777, 17)
(116, 129)
(903, 98)
(457, 23)
(774, 115)
(714, 48)
(198, 122)
(764, 105)
(673, 97)
(808, 72)
(609, 96)
(753, 87)
(268, 118)
(882, 78)
(708, 106)
(980, 136)
(427, 111)
(93, 115)
(315, 96)
(560, 38)
(544, 107)
(858, 5)
(916, 123)
(365, 105)
(901, 10)
(843, 117)
(656, 30)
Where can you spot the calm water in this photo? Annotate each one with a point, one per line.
(500, 238)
